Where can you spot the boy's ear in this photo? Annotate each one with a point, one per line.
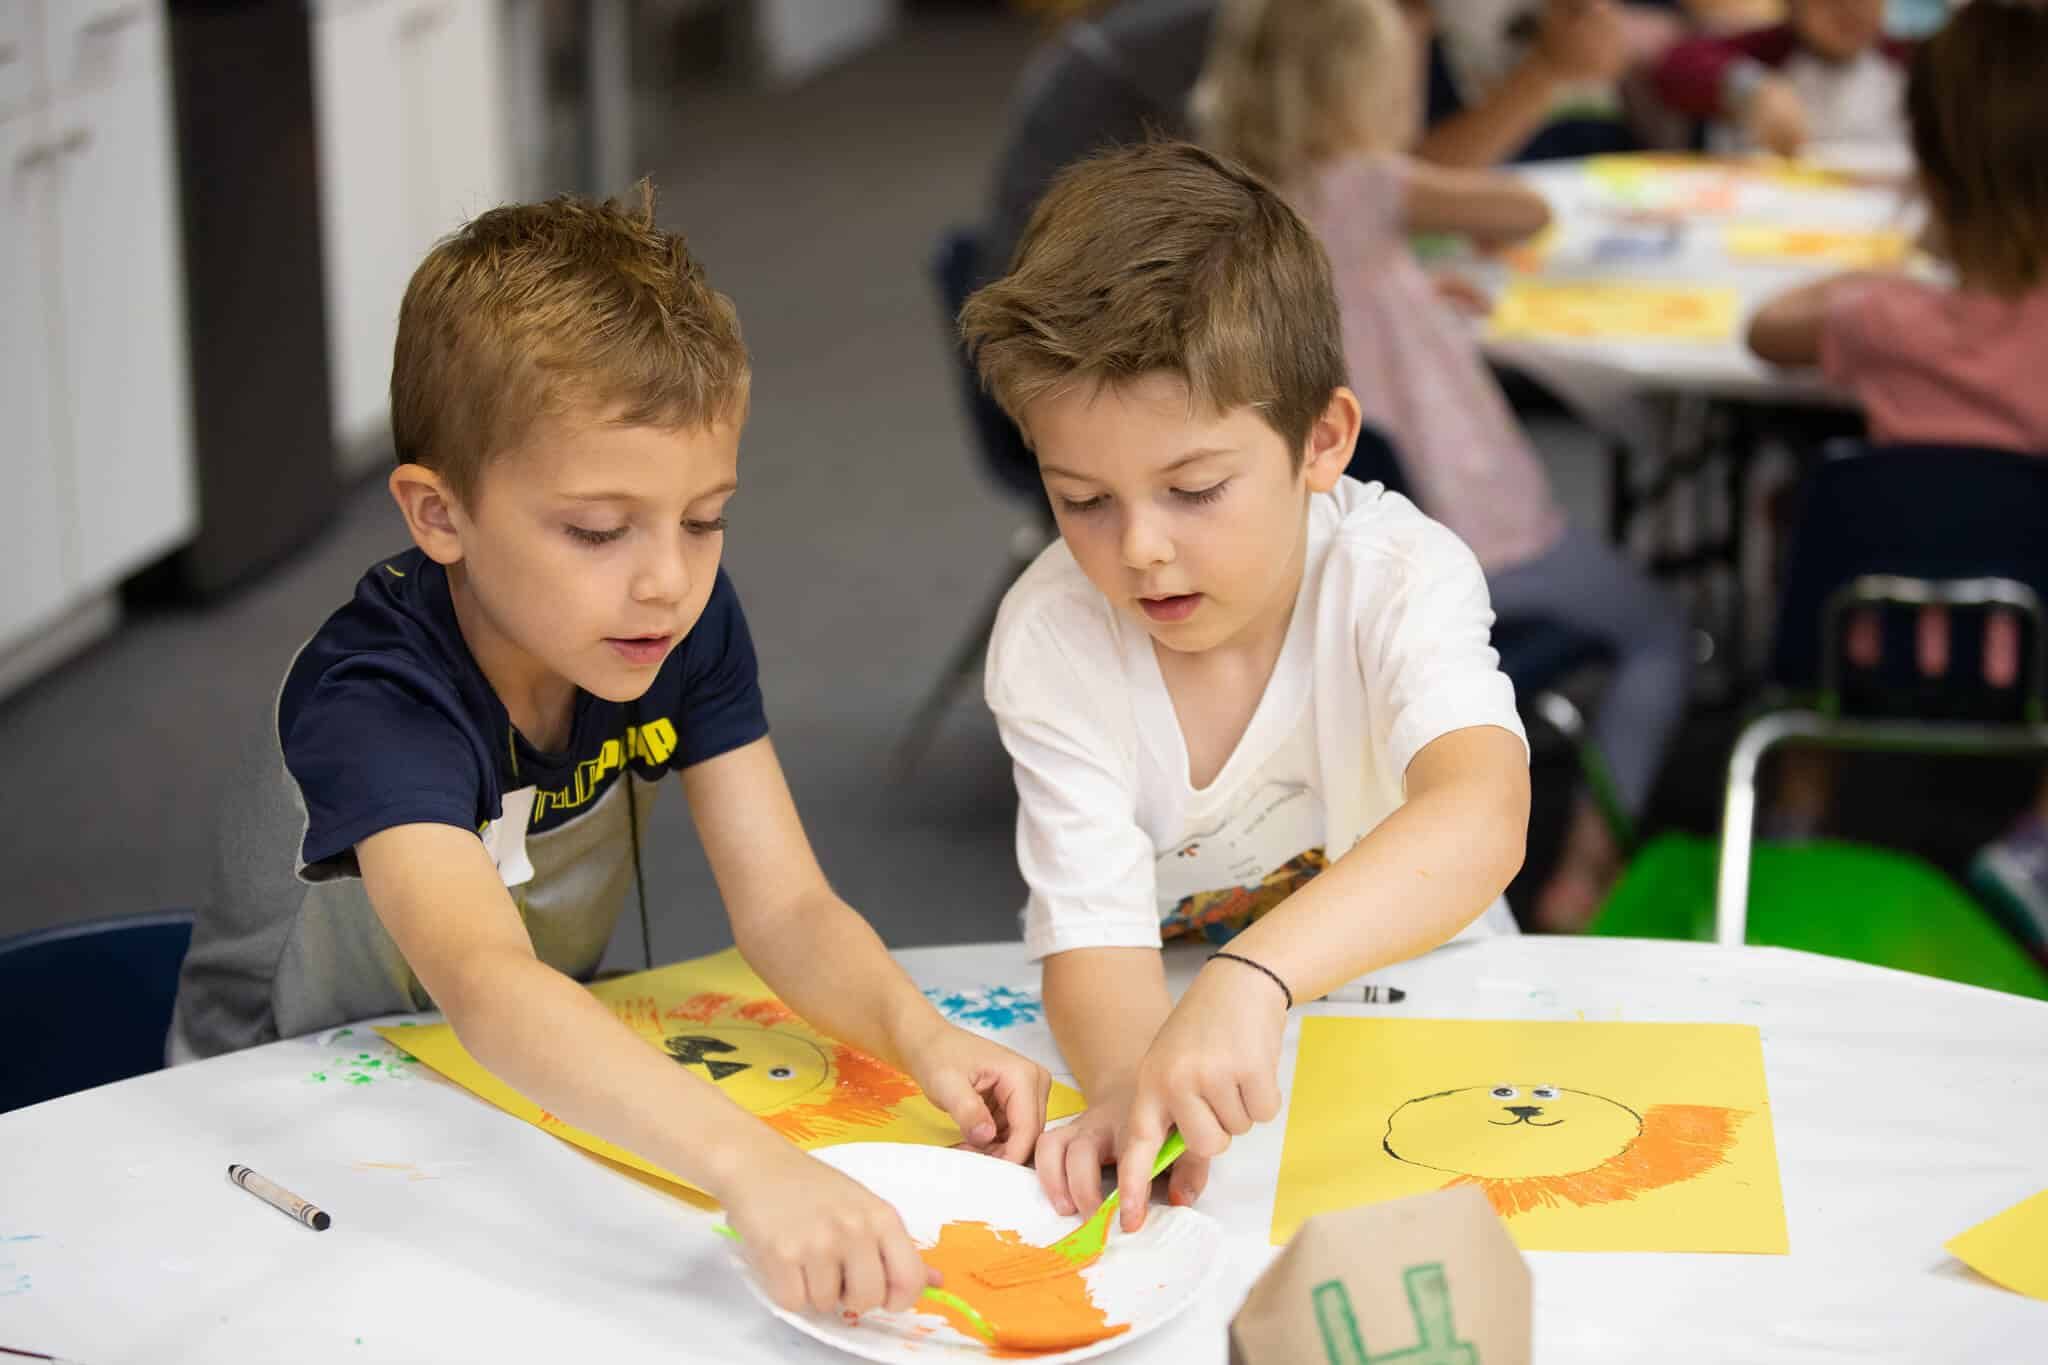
(1331, 440)
(430, 510)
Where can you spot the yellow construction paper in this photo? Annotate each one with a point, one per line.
(713, 1015)
(1584, 1136)
(1829, 246)
(1552, 309)
(2010, 1248)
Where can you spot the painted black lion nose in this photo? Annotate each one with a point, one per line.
(1524, 1111)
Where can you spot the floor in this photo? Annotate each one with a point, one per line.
(864, 542)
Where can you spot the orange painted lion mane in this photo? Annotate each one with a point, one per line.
(1678, 1142)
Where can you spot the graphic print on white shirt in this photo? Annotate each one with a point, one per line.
(1242, 858)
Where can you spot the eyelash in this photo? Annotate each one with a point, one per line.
(1197, 496)
(590, 537)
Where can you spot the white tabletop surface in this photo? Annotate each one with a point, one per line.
(1906, 1109)
(1608, 379)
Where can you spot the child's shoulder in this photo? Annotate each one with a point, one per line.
(1371, 528)
(1052, 603)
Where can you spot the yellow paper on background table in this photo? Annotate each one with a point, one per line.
(1590, 310)
(1584, 1136)
(2010, 1248)
(1829, 246)
(714, 1016)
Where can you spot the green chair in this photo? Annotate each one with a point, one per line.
(1846, 900)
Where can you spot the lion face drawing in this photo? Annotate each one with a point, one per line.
(1537, 1146)
(765, 1060)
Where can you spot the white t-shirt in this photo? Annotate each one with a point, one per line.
(1388, 649)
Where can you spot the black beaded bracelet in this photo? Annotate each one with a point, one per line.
(1233, 957)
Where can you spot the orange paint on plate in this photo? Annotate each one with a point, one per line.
(1050, 1314)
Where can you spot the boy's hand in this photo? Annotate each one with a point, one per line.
(1070, 1160)
(820, 1240)
(1212, 1072)
(997, 1097)
(1775, 119)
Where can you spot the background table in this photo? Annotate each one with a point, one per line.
(1614, 382)
(1905, 1109)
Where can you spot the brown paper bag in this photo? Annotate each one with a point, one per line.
(1433, 1279)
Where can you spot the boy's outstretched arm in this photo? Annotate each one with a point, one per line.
(1490, 207)
(1419, 877)
(1104, 1006)
(819, 1238)
(825, 962)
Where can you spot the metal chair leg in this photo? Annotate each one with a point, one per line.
(965, 661)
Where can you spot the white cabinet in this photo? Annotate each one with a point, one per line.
(35, 510)
(95, 421)
(119, 277)
(412, 142)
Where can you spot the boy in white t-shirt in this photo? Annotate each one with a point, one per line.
(1244, 694)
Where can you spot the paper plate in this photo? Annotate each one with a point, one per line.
(1145, 1279)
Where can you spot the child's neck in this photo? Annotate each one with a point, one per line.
(539, 702)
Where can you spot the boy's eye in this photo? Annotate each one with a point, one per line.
(706, 528)
(1083, 504)
(591, 537)
(1209, 494)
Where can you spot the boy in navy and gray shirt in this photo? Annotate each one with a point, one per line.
(439, 817)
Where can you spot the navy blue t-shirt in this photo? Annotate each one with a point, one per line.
(385, 719)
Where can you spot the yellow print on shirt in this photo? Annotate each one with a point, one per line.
(652, 743)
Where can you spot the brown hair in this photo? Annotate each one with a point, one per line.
(1289, 83)
(534, 310)
(1977, 103)
(1164, 257)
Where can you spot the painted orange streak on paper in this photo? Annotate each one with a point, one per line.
(865, 1094)
(700, 1009)
(1050, 1314)
(1678, 1142)
(766, 1013)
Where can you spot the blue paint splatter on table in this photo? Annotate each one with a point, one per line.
(989, 1007)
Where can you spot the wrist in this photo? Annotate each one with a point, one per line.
(1250, 975)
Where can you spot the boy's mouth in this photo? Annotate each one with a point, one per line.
(641, 650)
(1176, 607)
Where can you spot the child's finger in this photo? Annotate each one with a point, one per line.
(823, 1282)
(904, 1273)
(965, 1106)
(1023, 1110)
(1084, 1175)
(1186, 1181)
(865, 1282)
(1261, 1096)
(1051, 1160)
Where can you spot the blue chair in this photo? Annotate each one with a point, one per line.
(105, 987)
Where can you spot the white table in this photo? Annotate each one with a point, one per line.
(1616, 383)
(1906, 1109)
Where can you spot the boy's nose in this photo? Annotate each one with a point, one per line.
(1144, 546)
(664, 577)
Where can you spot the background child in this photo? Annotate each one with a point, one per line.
(444, 815)
(1827, 79)
(1241, 686)
(1319, 96)
(1954, 363)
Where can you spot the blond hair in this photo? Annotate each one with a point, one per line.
(532, 311)
(1290, 83)
(1164, 257)
(1977, 105)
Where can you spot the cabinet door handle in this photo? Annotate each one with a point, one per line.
(112, 22)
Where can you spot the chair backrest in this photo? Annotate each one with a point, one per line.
(100, 993)
(956, 271)
(1940, 514)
